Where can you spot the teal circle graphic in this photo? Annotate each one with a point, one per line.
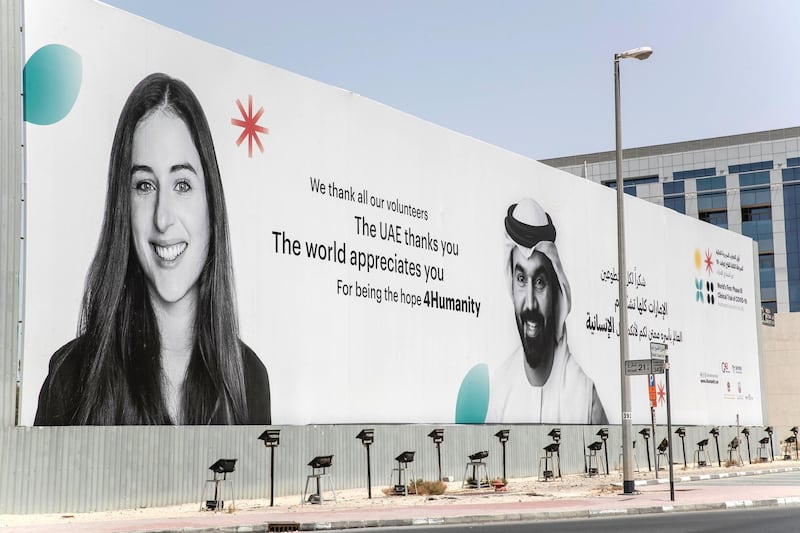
(51, 82)
(473, 396)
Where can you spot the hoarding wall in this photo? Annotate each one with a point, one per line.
(370, 250)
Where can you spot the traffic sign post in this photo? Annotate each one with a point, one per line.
(660, 365)
(669, 430)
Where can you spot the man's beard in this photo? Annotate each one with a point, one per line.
(538, 347)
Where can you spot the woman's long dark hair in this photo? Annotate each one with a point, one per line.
(122, 377)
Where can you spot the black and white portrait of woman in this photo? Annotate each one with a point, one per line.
(158, 339)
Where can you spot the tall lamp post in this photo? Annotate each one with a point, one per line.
(367, 437)
(502, 435)
(272, 439)
(438, 438)
(628, 483)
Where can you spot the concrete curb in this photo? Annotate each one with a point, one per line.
(550, 515)
(704, 477)
(508, 517)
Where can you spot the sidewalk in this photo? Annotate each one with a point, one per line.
(575, 496)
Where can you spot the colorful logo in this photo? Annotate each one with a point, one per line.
(662, 394)
(706, 295)
(250, 126)
(703, 290)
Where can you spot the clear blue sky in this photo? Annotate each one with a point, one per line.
(531, 76)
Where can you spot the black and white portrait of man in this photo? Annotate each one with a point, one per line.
(540, 382)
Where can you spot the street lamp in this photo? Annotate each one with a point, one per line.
(628, 483)
(367, 437)
(715, 431)
(746, 433)
(438, 438)
(502, 435)
(272, 439)
(603, 434)
(681, 432)
(769, 430)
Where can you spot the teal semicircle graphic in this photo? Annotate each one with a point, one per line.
(473, 396)
(51, 82)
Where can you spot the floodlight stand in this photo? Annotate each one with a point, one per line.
(558, 455)
(749, 457)
(716, 440)
(795, 447)
(771, 450)
(683, 446)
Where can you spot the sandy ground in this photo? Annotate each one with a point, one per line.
(517, 490)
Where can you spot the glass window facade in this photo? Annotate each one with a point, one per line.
(791, 213)
(791, 174)
(676, 203)
(757, 224)
(718, 218)
(754, 178)
(697, 173)
(628, 182)
(714, 201)
(793, 161)
(755, 196)
(711, 184)
(750, 167)
(674, 197)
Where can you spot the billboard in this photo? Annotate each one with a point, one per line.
(210, 239)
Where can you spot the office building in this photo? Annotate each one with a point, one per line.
(747, 183)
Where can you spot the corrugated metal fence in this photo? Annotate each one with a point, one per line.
(77, 469)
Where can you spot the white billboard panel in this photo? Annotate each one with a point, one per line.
(380, 274)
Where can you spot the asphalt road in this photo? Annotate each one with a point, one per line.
(777, 519)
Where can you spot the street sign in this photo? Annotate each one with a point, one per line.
(658, 350)
(642, 367)
(637, 367)
(651, 389)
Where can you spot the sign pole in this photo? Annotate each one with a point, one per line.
(653, 429)
(669, 432)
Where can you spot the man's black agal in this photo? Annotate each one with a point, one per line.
(526, 235)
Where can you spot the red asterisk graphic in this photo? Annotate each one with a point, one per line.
(662, 393)
(249, 125)
(708, 261)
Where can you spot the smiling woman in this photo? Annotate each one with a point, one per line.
(158, 337)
